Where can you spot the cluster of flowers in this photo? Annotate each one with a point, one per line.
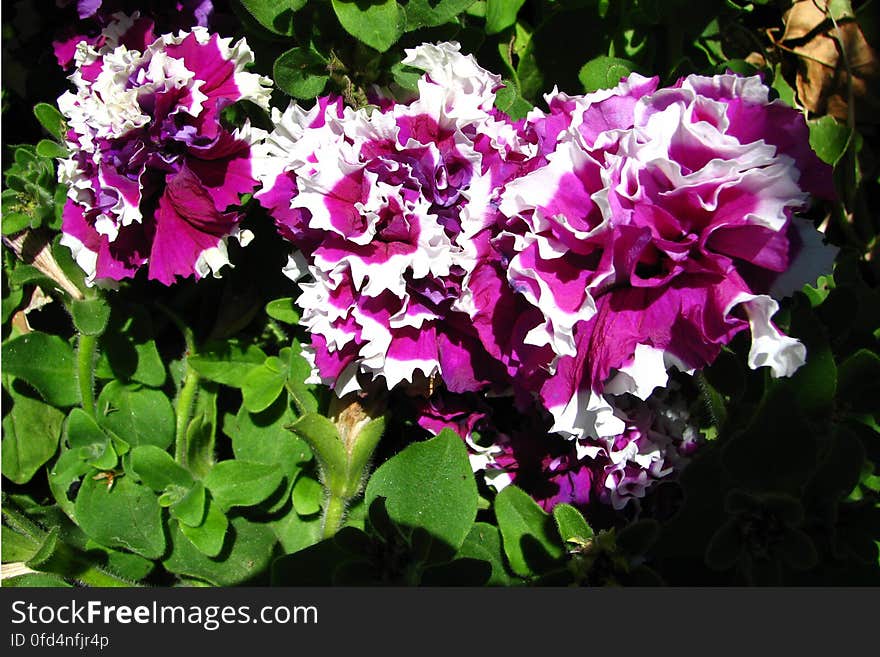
(567, 260)
(152, 170)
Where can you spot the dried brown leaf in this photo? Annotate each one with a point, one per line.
(831, 58)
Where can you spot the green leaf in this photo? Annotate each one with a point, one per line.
(51, 149)
(430, 13)
(530, 540)
(201, 434)
(47, 363)
(511, 103)
(501, 14)
(246, 555)
(36, 580)
(604, 72)
(429, 485)
(298, 371)
(283, 310)
(227, 362)
(829, 138)
(125, 516)
(209, 535)
(295, 532)
(155, 468)
(90, 316)
(15, 546)
(263, 384)
(571, 523)
(12, 301)
(322, 437)
(377, 23)
(128, 350)
(275, 15)
(301, 73)
(51, 119)
(858, 385)
(31, 431)
(242, 483)
(484, 542)
(14, 222)
(67, 469)
(307, 496)
(138, 415)
(190, 510)
(94, 445)
(783, 88)
(361, 451)
(263, 438)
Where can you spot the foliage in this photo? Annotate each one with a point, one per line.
(166, 436)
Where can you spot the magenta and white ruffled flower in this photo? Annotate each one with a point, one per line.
(567, 260)
(153, 171)
(389, 211)
(656, 231)
(656, 440)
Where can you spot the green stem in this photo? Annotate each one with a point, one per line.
(185, 401)
(333, 514)
(85, 364)
(187, 395)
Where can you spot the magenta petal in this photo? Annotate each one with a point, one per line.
(73, 222)
(224, 169)
(122, 257)
(208, 63)
(187, 223)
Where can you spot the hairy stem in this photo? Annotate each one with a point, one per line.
(85, 370)
(185, 401)
(333, 514)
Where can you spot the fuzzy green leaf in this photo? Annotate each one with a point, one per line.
(262, 385)
(429, 485)
(47, 363)
(155, 468)
(227, 362)
(248, 553)
(604, 72)
(377, 23)
(307, 496)
(31, 431)
(275, 15)
(51, 119)
(501, 14)
(90, 316)
(242, 483)
(301, 73)
(430, 13)
(829, 138)
(283, 310)
(530, 539)
(125, 516)
(138, 415)
(571, 523)
(190, 509)
(484, 542)
(51, 149)
(209, 535)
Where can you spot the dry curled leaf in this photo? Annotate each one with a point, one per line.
(836, 65)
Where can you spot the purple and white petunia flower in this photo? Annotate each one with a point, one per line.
(152, 170)
(655, 441)
(109, 23)
(385, 207)
(654, 233)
